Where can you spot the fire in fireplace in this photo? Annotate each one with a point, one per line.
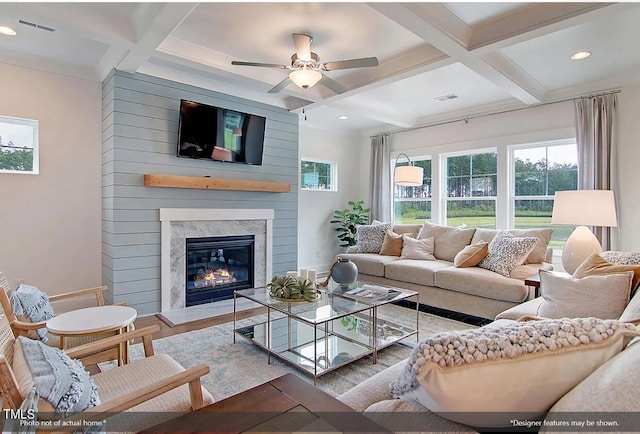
(217, 266)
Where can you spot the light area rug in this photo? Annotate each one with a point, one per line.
(242, 365)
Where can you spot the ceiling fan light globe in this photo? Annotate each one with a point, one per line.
(305, 78)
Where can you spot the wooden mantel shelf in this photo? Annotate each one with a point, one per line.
(206, 183)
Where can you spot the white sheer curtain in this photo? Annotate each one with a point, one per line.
(595, 135)
(380, 179)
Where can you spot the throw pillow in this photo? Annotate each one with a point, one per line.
(603, 296)
(58, 379)
(621, 258)
(30, 304)
(471, 255)
(539, 252)
(448, 241)
(506, 252)
(596, 265)
(631, 312)
(392, 244)
(417, 249)
(371, 237)
(520, 368)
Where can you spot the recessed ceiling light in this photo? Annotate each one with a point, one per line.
(343, 117)
(7, 31)
(580, 55)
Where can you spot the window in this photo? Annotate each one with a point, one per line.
(319, 175)
(18, 145)
(413, 204)
(538, 172)
(471, 181)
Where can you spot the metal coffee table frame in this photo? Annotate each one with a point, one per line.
(321, 336)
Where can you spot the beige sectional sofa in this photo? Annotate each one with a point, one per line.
(470, 290)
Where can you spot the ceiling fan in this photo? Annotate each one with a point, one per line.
(306, 69)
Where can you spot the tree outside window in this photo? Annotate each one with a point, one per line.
(18, 145)
(472, 182)
(413, 204)
(318, 175)
(538, 172)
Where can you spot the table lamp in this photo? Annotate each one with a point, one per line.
(582, 208)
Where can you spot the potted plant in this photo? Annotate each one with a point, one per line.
(348, 221)
(288, 288)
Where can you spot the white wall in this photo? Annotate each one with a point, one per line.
(317, 241)
(50, 224)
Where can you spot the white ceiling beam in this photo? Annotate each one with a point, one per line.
(153, 24)
(433, 22)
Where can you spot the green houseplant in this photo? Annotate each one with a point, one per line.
(348, 221)
(288, 288)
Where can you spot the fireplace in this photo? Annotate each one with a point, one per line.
(216, 266)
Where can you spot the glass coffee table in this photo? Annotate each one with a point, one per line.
(321, 336)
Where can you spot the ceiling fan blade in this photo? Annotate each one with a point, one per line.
(352, 63)
(278, 87)
(265, 65)
(303, 46)
(332, 84)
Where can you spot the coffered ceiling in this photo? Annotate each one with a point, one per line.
(479, 56)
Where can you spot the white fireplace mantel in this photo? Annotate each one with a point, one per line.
(174, 215)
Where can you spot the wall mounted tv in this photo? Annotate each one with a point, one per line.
(220, 134)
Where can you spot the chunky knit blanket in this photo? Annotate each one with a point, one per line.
(504, 342)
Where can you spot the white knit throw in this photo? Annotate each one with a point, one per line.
(504, 342)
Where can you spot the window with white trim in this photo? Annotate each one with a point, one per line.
(319, 175)
(472, 185)
(413, 204)
(538, 171)
(18, 145)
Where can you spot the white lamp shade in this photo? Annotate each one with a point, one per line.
(584, 208)
(305, 78)
(408, 176)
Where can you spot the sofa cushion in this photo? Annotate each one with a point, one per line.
(471, 255)
(401, 415)
(528, 308)
(417, 249)
(418, 272)
(392, 244)
(539, 252)
(597, 265)
(506, 252)
(481, 282)
(599, 296)
(369, 263)
(611, 389)
(407, 229)
(510, 365)
(448, 241)
(371, 237)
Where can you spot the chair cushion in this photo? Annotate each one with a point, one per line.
(57, 378)
(125, 379)
(31, 305)
(510, 365)
(604, 296)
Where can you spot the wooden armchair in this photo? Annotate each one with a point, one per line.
(20, 327)
(133, 397)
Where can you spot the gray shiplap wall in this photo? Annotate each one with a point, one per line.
(139, 135)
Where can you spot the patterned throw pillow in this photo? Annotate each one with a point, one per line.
(621, 258)
(371, 237)
(58, 379)
(506, 252)
(30, 304)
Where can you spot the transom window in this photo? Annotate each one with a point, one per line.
(319, 175)
(18, 145)
(413, 204)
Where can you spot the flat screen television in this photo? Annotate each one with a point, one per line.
(220, 134)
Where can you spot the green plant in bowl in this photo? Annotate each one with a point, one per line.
(288, 288)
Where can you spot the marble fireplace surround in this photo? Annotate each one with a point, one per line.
(178, 224)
